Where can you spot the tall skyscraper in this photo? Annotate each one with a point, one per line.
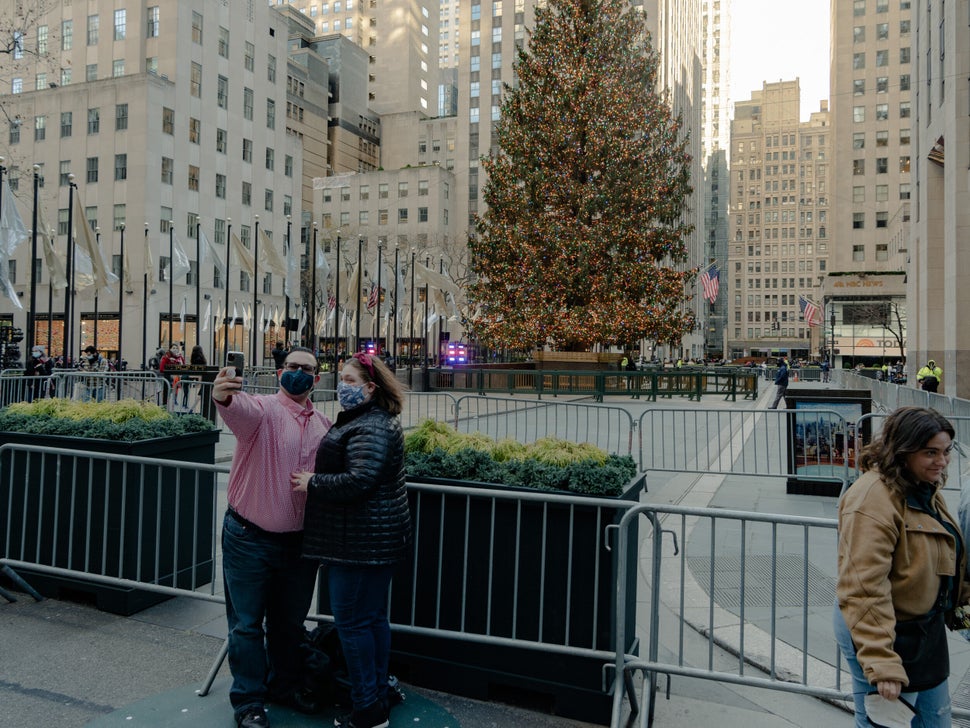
(779, 219)
(871, 82)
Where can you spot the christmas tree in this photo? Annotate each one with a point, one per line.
(584, 231)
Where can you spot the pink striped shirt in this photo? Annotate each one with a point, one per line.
(274, 437)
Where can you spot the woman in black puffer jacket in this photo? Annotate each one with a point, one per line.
(357, 522)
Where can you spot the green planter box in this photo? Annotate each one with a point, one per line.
(501, 576)
(118, 519)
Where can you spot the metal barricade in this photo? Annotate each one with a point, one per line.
(777, 443)
(119, 521)
(525, 421)
(146, 386)
(19, 388)
(763, 585)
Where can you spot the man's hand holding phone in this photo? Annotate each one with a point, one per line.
(229, 380)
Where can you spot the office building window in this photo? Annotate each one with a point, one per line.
(121, 117)
(92, 169)
(858, 222)
(121, 24)
(94, 121)
(67, 123)
(121, 167)
(152, 16)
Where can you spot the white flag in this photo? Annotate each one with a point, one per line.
(182, 316)
(206, 251)
(55, 265)
(12, 230)
(248, 317)
(302, 319)
(181, 265)
(269, 256)
(323, 267)
(243, 257)
(235, 315)
(208, 315)
(100, 270)
(219, 313)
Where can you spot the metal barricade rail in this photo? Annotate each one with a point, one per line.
(768, 599)
(610, 428)
(747, 442)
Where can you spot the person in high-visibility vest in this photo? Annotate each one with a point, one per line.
(929, 377)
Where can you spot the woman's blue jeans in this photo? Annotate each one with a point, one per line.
(358, 600)
(932, 706)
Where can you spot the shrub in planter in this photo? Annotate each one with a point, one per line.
(137, 521)
(513, 568)
(434, 450)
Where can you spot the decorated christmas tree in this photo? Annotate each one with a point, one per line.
(583, 240)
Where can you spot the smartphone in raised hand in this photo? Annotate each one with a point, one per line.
(236, 360)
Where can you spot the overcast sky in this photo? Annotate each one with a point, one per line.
(779, 40)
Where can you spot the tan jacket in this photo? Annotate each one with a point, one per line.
(891, 559)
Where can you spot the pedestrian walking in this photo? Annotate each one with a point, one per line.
(781, 382)
(901, 572)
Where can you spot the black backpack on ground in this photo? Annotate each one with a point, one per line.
(325, 674)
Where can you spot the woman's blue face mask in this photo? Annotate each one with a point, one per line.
(350, 395)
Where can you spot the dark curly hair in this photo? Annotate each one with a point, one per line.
(906, 431)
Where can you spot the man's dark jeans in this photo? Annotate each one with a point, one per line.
(358, 600)
(265, 579)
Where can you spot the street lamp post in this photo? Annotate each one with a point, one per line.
(144, 307)
(360, 283)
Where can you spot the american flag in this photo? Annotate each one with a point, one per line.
(331, 301)
(375, 293)
(710, 280)
(810, 311)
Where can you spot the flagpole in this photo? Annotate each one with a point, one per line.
(50, 303)
(171, 279)
(377, 317)
(144, 310)
(397, 300)
(310, 336)
(97, 239)
(360, 282)
(121, 296)
(32, 315)
(286, 282)
(68, 296)
(336, 313)
(198, 285)
(411, 342)
(225, 321)
(253, 333)
(427, 295)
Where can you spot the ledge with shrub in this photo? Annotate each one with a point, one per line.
(139, 521)
(532, 569)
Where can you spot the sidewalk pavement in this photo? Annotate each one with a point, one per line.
(64, 664)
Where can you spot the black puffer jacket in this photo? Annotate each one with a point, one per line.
(357, 506)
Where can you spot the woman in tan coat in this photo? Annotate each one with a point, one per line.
(901, 568)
